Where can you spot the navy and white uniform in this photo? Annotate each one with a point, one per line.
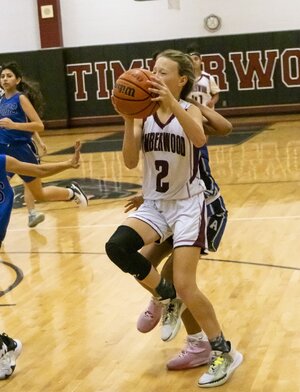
(204, 88)
(17, 144)
(172, 188)
(216, 210)
(6, 198)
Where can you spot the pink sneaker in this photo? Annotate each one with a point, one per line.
(150, 317)
(195, 353)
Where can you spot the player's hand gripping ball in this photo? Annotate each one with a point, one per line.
(131, 96)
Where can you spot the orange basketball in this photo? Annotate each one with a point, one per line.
(131, 96)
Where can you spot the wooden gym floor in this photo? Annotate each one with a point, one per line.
(75, 312)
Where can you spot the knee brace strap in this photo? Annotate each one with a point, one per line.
(122, 248)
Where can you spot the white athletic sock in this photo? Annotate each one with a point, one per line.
(199, 336)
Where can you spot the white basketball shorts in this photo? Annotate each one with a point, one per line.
(184, 219)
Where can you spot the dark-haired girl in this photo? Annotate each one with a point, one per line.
(19, 120)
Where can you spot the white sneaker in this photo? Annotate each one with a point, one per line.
(79, 196)
(10, 349)
(5, 370)
(220, 369)
(171, 319)
(34, 218)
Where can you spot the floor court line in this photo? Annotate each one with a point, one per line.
(204, 258)
(257, 218)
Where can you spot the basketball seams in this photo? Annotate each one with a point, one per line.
(145, 73)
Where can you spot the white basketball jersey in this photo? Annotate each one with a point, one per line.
(204, 88)
(171, 169)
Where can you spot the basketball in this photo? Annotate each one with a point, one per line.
(131, 96)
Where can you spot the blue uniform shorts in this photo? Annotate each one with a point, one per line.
(217, 219)
(25, 152)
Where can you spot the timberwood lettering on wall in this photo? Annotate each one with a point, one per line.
(252, 70)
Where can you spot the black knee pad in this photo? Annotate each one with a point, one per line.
(122, 249)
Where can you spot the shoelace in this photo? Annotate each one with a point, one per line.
(170, 314)
(218, 361)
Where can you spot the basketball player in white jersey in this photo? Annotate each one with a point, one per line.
(205, 91)
(174, 203)
(197, 350)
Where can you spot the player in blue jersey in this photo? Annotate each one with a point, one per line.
(12, 165)
(19, 120)
(10, 348)
(174, 203)
(34, 216)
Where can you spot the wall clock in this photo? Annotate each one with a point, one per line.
(212, 23)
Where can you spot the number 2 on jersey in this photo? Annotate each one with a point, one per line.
(163, 169)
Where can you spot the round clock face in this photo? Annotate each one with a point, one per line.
(212, 22)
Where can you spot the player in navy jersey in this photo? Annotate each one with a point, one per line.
(18, 121)
(10, 348)
(174, 203)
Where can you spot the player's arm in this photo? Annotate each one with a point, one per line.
(34, 125)
(40, 142)
(214, 90)
(195, 132)
(216, 124)
(214, 99)
(47, 169)
(132, 142)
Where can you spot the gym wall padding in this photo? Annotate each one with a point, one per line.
(258, 73)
